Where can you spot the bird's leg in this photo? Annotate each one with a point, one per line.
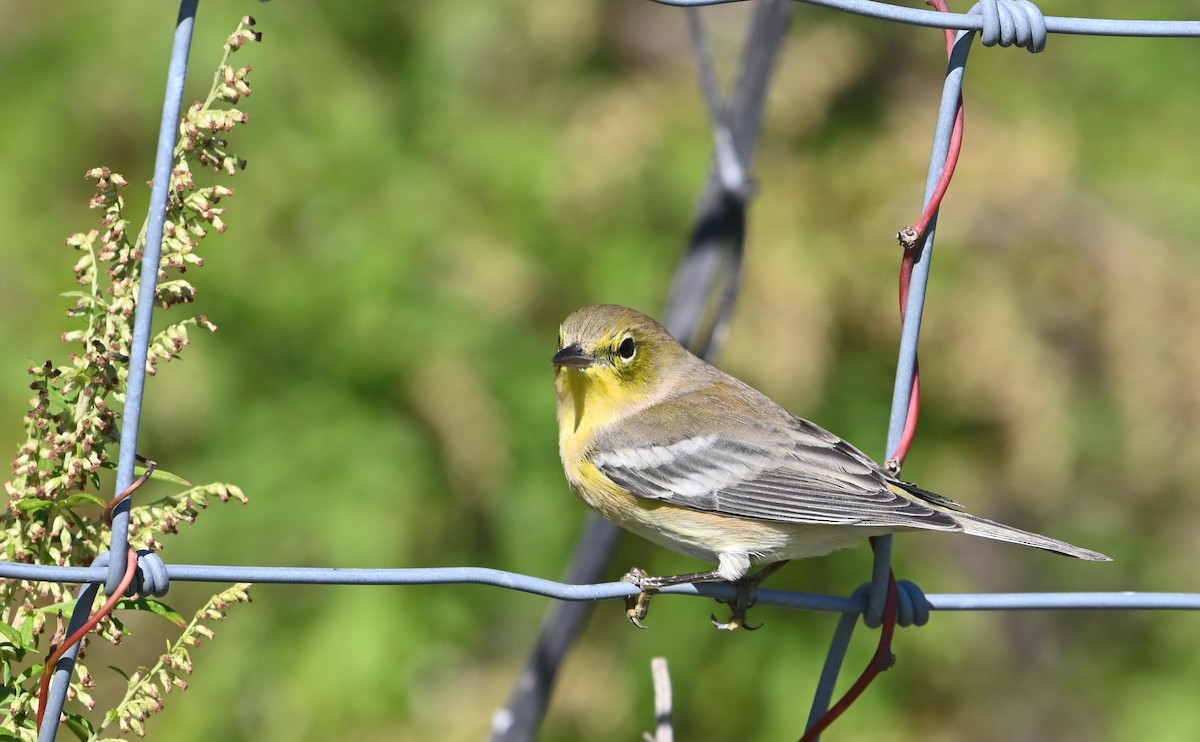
(744, 601)
(636, 607)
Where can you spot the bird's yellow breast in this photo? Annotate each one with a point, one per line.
(584, 408)
(588, 403)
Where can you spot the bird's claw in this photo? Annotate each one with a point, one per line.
(739, 605)
(637, 606)
(738, 619)
(735, 622)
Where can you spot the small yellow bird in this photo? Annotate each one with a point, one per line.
(667, 446)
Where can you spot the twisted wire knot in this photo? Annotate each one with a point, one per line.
(151, 576)
(912, 607)
(1011, 22)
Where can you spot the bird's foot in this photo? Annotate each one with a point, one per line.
(745, 599)
(637, 606)
(742, 603)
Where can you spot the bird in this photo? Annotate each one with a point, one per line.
(680, 453)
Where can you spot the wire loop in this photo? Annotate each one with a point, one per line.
(151, 577)
(912, 607)
(1011, 23)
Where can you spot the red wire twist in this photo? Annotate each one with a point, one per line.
(910, 237)
(106, 609)
(56, 655)
(882, 660)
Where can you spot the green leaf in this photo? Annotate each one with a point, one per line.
(154, 606)
(162, 475)
(120, 672)
(78, 724)
(159, 475)
(27, 633)
(31, 504)
(81, 498)
(13, 636)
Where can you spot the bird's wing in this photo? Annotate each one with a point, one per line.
(774, 467)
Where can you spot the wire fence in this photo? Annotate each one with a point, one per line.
(708, 275)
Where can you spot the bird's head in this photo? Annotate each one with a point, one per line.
(613, 354)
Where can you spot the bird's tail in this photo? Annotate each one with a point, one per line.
(977, 526)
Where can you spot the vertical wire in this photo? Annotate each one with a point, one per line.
(147, 290)
(910, 334)
(906, 365)
(164, 160)
(57, 697)
(833, 665)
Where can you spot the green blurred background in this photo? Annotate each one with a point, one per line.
(432, 187)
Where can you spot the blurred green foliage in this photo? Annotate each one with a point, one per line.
(433, 186)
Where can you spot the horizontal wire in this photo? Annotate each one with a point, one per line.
(965, 22)
(608, 590)
(1065, 601)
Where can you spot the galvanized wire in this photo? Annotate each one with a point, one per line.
(1001, 22)
(969, 22)
(906, 364)
(604, 590)
(163, 163)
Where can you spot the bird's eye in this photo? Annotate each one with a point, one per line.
(628, 348)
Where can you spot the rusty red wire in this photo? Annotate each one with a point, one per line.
(911, 238)
(109, 604)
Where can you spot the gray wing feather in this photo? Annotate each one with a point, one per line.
(797, 474)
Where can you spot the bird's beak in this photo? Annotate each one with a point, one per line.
(573, 356)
